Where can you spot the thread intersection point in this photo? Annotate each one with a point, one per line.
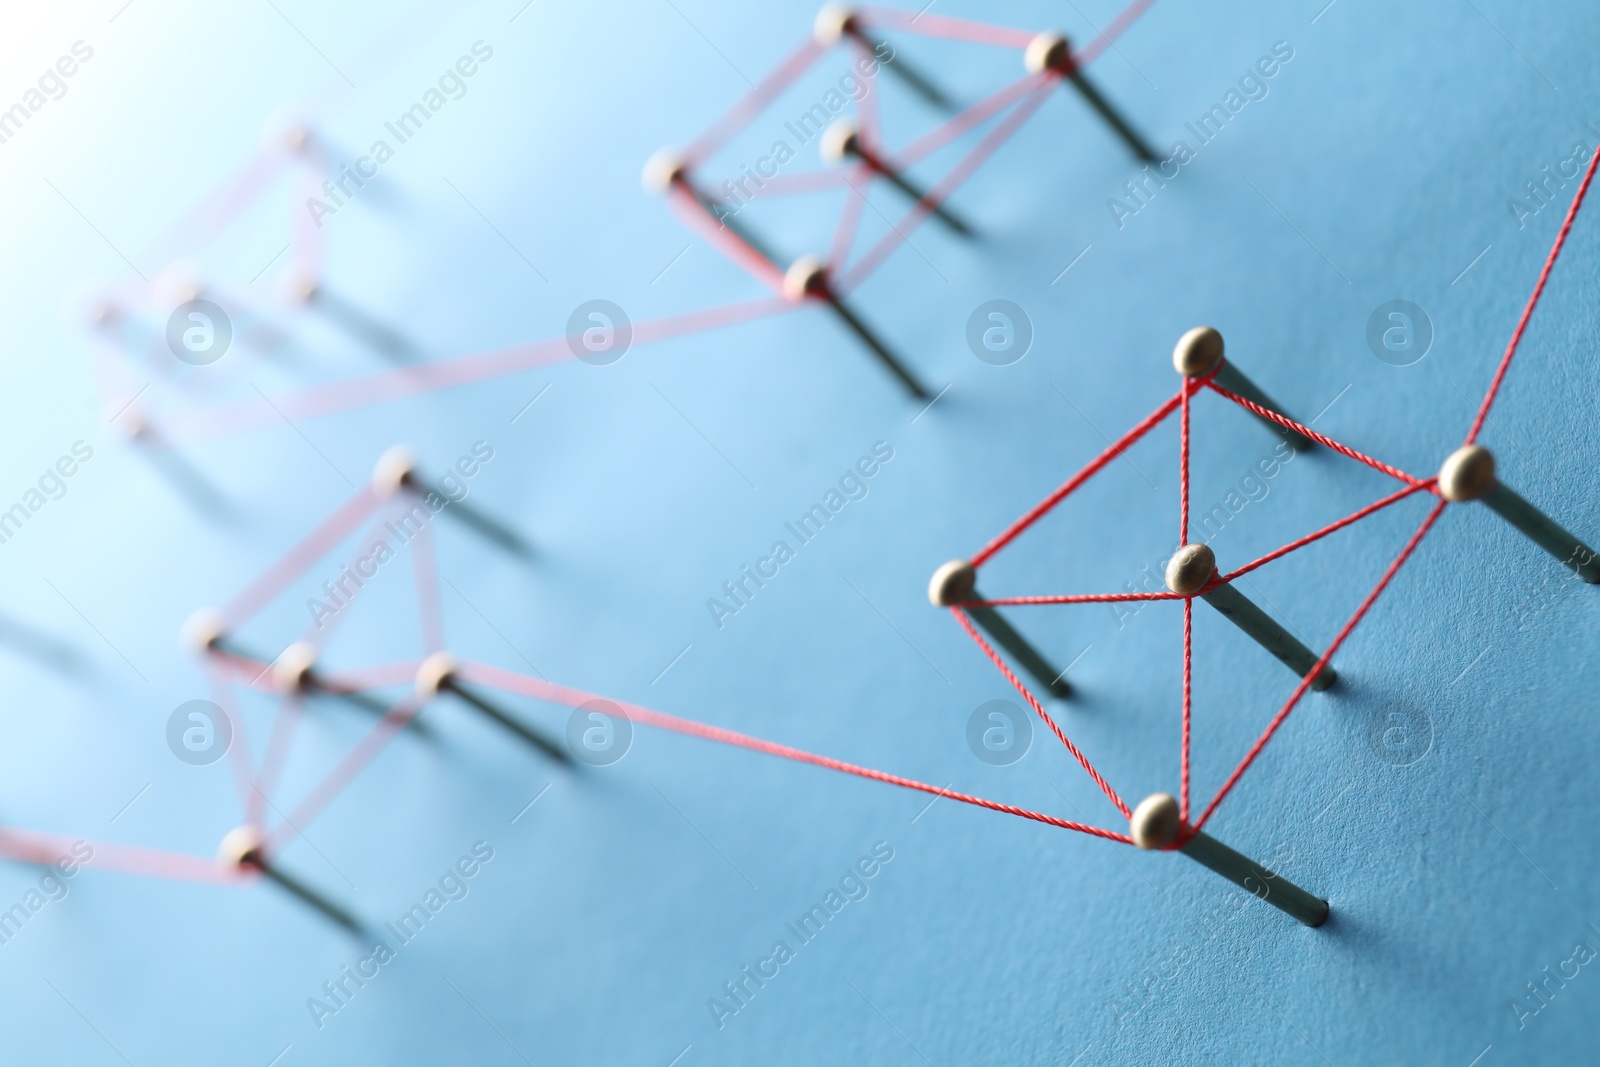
(203, 631)
(292, 671)
(1048, 50)
(1467, 474)
(1156, 821)
(663, 170)
(840, 141)
(833, 23)
(952, 583)
(1191, 569)
(435, 673)
(1198, 352)
(395, 470)
(806, 277)
(240, 849)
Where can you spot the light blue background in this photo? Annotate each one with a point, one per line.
(1378, 167)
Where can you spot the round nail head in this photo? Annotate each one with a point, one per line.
(291, 671)
(202, 631)
(435, 673)
(833, 22)
(1047, 51)
(1197, 352)
(395, 468)
(1155, 821)
(241, 848)
(663, 170)
(1190, 568)
(1467, 474)
(952, 583)
(840, 141)
(806, 276)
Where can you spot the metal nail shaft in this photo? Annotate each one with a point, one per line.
(1268, 633)
(1255, 878)
(1234, 381)
(1028, 657)
(879, 349)
(1543, 531)
(532, 737)
(1113, 119)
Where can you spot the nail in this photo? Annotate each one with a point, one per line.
(1156, 824)
(956, 583)
(1050, 51)
(1194, 566)
(842, 140)
(396, 469)
(807, 278)
(439, 673)
(835, 22)
(1199, 352)
(242, 850)
(1469, 474)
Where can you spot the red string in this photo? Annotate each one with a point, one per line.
(1114, 29)
(900, 232)
(1183, 470)
(482, 674)
(29, 846)
(425, 570)
(1343, 450)
(1188, 679)
(1115, 449)
(753, 102)
(1533, 301)
(692, 213)
(1075, 598)
(293, 563)
(1305, 682)
(943, 26)
(1328, 529)
(1105, 787)
(974, 116)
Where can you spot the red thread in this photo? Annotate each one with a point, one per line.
(483, 674)
(1343, 450)
(1188, 686)
(1533, 301)
(1305, 683)
(1105, 787)
(952, 29)
(1074, 598)
(1183, 469)
(1332, 527)
(1112, 451)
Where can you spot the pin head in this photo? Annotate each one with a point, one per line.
(952, 583)
(291, 671)
(840, 141)
(395, 468)
(806, 276)
(1198, 352)
(1047, 51)
(1190, 568)
(202, 630)
(1467, 474)
(435, 673)
(833, 22)
(1155, 821)
(241, 848)
(663, 170)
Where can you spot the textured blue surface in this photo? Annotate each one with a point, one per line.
(1458, 859)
